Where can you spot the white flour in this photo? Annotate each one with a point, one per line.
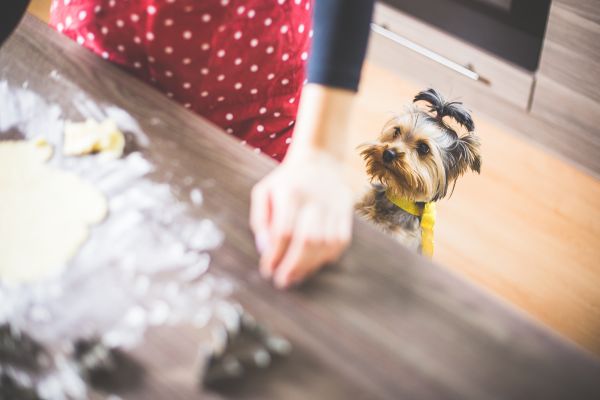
(122, 279)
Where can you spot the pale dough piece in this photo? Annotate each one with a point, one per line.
(93, 137)
(45, 213)
(36, 151)
(43, 150)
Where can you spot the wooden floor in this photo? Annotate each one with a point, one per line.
(527, 229)
(40, 8)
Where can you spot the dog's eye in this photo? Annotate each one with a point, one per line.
(422, 148)
(397, 132)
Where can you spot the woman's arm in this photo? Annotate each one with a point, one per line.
(301, 213)
(322, 121)
(341, 31)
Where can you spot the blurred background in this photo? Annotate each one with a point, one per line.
(527, 228)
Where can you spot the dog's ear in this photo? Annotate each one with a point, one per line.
(455, 110)
(460, 114)
(466, 154)
(431, 96)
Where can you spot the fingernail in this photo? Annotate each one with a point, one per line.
(261, 242)
(265, 273)
(281, 283)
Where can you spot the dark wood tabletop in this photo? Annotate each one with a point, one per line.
(381, 324)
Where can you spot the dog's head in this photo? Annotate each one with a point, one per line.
(420, 154)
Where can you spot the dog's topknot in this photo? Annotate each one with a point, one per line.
(454, 109)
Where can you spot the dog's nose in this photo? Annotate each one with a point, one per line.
(389, 155)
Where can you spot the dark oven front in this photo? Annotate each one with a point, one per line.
(511, 29)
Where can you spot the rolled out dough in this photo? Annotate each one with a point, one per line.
(45, 213)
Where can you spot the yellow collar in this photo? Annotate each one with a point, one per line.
(426, 212)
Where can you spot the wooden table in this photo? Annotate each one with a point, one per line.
(383, 323)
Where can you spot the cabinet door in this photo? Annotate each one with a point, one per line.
(500, 78)
(567, 91)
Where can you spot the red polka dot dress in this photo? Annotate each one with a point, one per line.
(239, 63)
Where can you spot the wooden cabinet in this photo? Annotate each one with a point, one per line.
(498, 77)
(567, 90)
(558, 106)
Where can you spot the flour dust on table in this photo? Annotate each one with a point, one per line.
(144, 264)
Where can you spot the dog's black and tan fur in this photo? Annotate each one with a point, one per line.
(419, 156)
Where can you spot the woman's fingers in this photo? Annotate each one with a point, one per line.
(272, 256)
(260, 212)
(333, 238)
(300, 238)
(283, 221)
(303, 257)
(344, 230)
(307, 251)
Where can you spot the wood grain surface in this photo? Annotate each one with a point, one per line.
(567, 90)
(382, 323)
(571, 52)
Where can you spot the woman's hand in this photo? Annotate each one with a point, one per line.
(301, 213)
(301, 216)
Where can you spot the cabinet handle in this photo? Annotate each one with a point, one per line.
(409, 44)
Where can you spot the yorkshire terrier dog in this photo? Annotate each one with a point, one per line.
(417, 158)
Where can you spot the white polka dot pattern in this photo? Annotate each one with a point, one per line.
(240, 63)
